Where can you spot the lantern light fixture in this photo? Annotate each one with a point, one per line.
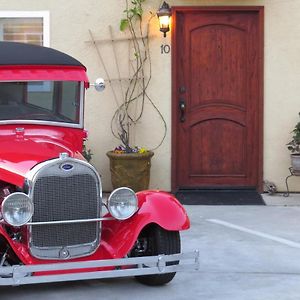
(164, 16)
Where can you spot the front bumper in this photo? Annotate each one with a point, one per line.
(124, 267)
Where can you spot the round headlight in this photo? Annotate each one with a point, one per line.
(17, 209)
(122, 203)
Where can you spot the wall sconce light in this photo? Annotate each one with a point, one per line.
(164, 15)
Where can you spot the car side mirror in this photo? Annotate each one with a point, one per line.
(99, 84)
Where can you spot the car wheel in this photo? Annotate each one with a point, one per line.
(155, 240)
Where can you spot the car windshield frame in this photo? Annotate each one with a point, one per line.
(60, 123)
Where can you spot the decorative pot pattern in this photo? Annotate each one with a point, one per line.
(130, 170)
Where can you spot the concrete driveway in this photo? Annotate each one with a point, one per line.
(246, 252)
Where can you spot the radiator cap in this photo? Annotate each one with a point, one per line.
(63, 155)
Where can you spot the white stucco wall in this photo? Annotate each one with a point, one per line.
(70, 22)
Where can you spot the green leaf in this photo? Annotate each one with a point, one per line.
(123, 24)
(139, 11)
(133, 11)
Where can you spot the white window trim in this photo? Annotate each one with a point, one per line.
(32, 14)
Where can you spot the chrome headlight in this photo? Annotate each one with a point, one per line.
(17, 209)
(122, 203)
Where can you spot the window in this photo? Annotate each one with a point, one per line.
(57, 101)
(25, 26)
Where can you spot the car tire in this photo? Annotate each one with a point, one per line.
(160, 241)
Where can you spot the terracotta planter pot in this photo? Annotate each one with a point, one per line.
(131, 170)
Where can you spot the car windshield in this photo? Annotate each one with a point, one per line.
(52, 101)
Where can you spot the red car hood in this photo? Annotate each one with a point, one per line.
(19, 152)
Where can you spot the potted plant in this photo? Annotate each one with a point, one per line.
(130, 169)
(294, 147)
(86, 153)
(129, 164)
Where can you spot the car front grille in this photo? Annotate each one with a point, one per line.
(60, 195)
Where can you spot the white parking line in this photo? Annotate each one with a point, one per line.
(257, 233)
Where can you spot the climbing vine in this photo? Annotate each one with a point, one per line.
(125, 117)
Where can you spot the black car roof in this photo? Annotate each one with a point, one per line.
(12, 53)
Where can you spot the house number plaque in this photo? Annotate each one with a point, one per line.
(165, 49)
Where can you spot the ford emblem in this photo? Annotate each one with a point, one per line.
(67, 167)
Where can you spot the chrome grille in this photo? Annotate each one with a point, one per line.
(60, 195)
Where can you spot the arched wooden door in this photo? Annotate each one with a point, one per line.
(217, 78)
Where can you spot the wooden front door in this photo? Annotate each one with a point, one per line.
(217, 77)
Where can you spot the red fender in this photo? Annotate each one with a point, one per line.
(154, 207)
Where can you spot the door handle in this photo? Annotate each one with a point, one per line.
(182, 108)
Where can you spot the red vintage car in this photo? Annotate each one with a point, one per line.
(54, 223)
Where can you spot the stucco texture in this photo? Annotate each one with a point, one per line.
(70, 22)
